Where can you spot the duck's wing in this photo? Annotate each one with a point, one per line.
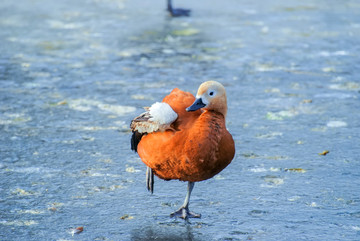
(170, 114)
(158, 117)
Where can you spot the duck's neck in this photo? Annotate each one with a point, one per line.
(169, 5)
(215, 113)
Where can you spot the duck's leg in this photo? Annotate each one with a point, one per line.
(150, 179)
(177, 12)
(184, 211)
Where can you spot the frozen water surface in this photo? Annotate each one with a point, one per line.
(74, 73)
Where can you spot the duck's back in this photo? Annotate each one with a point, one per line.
(179, 100)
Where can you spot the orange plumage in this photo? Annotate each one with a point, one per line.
(194, 147)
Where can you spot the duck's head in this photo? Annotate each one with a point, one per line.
(211, 95)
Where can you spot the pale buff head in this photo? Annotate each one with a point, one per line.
(211, 95)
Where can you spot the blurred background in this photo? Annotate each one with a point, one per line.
(74, 73)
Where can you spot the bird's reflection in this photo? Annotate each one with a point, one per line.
(164, 233)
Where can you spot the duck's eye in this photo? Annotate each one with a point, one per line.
(211, 93)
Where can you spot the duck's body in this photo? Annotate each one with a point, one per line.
(193, 145)
(177, 12)
(198, 148)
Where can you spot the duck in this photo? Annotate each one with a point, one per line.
(177, 12)
(184, 138)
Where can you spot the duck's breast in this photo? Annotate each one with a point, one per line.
(209, 146)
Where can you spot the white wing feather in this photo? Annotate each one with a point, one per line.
(157, 118)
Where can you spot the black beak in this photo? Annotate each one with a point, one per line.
(196, 105)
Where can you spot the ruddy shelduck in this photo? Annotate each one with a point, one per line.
(184, 138)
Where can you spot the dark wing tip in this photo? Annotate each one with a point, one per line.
(135, 139)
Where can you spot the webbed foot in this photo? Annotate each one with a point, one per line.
(185, 213)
